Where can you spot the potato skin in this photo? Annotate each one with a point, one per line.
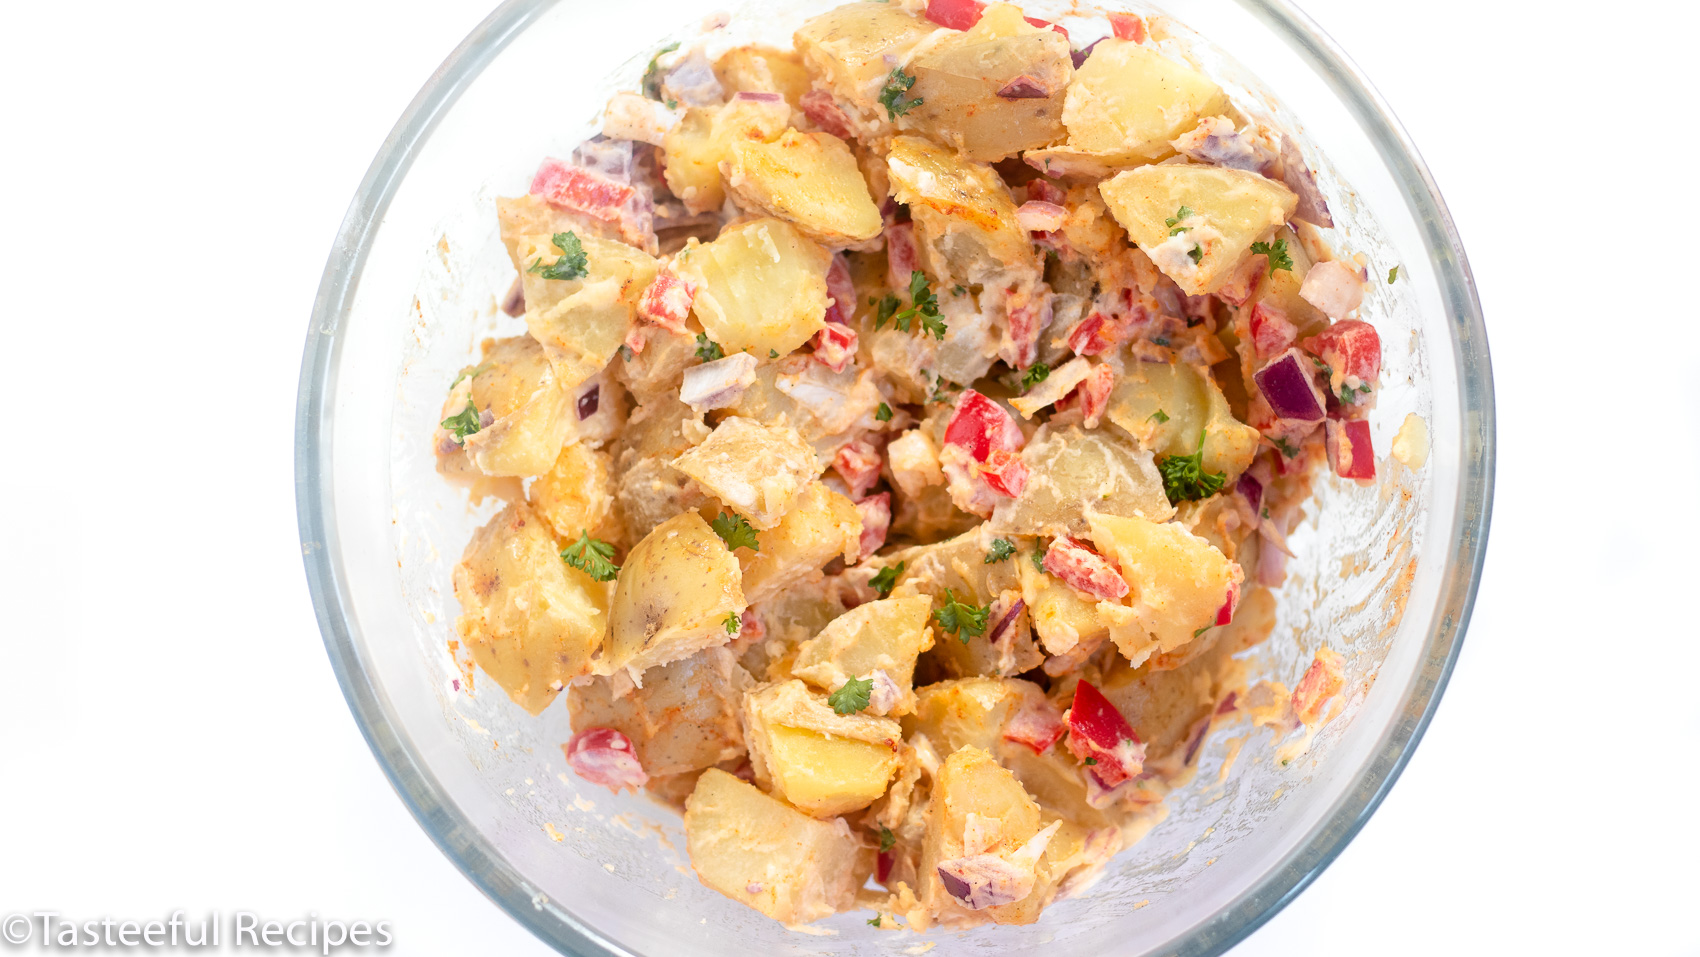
(675, 593)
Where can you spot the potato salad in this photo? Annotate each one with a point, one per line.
(901, 445)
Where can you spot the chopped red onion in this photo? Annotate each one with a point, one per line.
(1312, 207)
(1252, 489)
(1024, 87)
(1079, 56)
(758, 96)
(514, 302)
(1009, 618)
(589, 402)
(1289, 388)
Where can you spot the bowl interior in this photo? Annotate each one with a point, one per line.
(1385, 574)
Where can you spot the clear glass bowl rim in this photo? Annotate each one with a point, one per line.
(499, 880)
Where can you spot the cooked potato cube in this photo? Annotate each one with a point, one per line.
(959, 566)
(684, 718)
(581, 323)
(693, 150)
(965, 226)
(530, 413)
(959, 81)
(1128, 101)
(1179, 582)
(1075, 470)
(759, 852)
(577, 495)
(1062, 618)
(759, 69)
(523, 218)
(885, 635)
(810, 180)
(1196, 222)
(851, 50)
(971, 782)
(1192, 405)
(530, 621)
(758, 470)
(761, 286)
(647, 489)
(677, 590)
(822, 762)
(1282, 288)
(819, 527)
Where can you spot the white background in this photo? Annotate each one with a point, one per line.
(170, 731)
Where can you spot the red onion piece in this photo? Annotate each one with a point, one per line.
(1024, 87)
(1008, 619)
(758, 96)
(514, 302)
(1287, 385)
(1252, 489)
(1312, 207)
(589, 402)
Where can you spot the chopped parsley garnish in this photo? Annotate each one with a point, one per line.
(708, 350)
(1277, 253)
(883, 413)
(1174, 222)
(1159, 340)
(887, 307)
(960, 618)
(1090, 761)
(1184, 477)
(1286, 448)
(887, 839)
(736, 531)
(886, 579)
(1393, 275)
(1201, 631)
(591, 556)
(874, 921)
(940, 391)
(464, 424)
(471, 373)
(652, 76)
(1158, 416)
(773, 353)
(1352, 396)
(626, 353)
(1036, 373)
(922, 303)
(897, 84)
(1196, 254)
(1038, 557)
(733, 623)
(572, 263)
(852, 696)
(958, 290)
(1002, 548)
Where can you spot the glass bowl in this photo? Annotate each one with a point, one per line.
(1386, 574)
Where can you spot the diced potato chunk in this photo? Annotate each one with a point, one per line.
(532, 413)
(761, 286)
(1062, 618)
(885, 635)
(1281, 288)
(1075, 470)
(581, 323)
(1179, 582)
(972, 782)
(1128, 101)
(1229, 210)
(576, 495)
(820, 761)
(810, 180)
(693, 150)
(522, 218)
(1192, 404)
(758, 470)
(852, 49)
(959, 80)
(959, 565)
(676, 591)
(684, 718)
(759, 69)
(965, 225)
(530, 621)
(759, 852)
(821, 526)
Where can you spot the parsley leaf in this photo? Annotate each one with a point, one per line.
(464, 424)
(1196, 254)
(1039, 559)
(883, 414)
(960, 618)
(708, 350)
(1279, 258)
(1352, 396)
(733, 623)
(922, 303)
(1002, 548)
(1287, 448)
(887, 839)
(1090, 761)
(471, 373)
(886, 579)
(1184, 477)
(959, 290)
(652, 76)
(1174, 222)
(852, 696)
(736, 531)
(887, 308)
(1159, 416)
(874, 921)
(1393, 275)
(591, 556)
(897, 84)
(1036, 373)
(773, 353)
(572, 263)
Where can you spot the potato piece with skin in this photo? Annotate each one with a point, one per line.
(1073, 470)
(648, 490)
(1179, 583)
(757, 470)
(820, 526)
(526, 415)
(530, 621)
(965, 225)
(759, 69)
(576, 495)
(822, 762)
(761, 286)
(676, 591)
(885, 635)
(959, 81)
(971, 782)
(762, 853)
(581, 323)
(684, 718)
(1192, 405)
(809, 180)
(693, 150)
(1128, 101)
(851, 50)
(1229, 209)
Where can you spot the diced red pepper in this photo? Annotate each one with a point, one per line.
(955, 14)
(1322, 680)
(1005, 473)
(605, 756)
(1349, 449)
(575, 187)
(1035, 21)
(1097, 732)
(1094, 335)
(883, 868)
(1128, 27)
(1084, 570)
(1225, 614)
(819, 106)
(667, 301)
(1038, 725)
(858, 464)
(876, 522)
(901, 257)
(1094, 393)
(842, 290)
(980, 425)
(1044, 191)
(1271, 333)
(835, 346)
(1351, 347)
(1244, 280)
